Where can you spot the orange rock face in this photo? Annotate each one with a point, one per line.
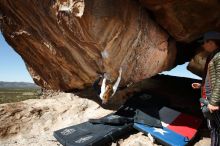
(186, 20)
(67, 43)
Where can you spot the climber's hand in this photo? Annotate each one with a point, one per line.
(196, 85)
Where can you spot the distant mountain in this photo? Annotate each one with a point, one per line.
(17, 85)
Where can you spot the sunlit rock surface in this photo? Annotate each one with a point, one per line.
(67, 43)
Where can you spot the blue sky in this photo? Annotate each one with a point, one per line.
(12, 67)
(181, 71)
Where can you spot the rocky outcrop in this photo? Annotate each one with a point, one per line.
(197, 63)
(67, 43)
(186, 20)
(33, 121)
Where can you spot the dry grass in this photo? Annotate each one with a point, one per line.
(8, 95)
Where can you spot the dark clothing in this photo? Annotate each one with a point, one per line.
(213, 126)
(96, 86)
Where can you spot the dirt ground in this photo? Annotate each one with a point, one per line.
(32, 122)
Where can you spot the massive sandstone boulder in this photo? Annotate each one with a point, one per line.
(186, 20)
(67, 43)
(197, 63)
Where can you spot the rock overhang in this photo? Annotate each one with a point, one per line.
(67, 43)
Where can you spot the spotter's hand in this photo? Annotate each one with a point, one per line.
(213, 108)
(196, 85)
